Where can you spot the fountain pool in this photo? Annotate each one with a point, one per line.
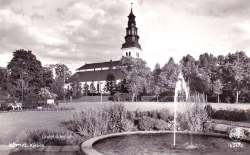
(160, 142)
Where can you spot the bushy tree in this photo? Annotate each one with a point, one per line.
(62, 73)
(137, 75)
(75, 86)
(195, 80)
(85, 89)
(110, 85)
(92, 88)
(26, 75)
(3, 78)
(155, 83)
(235, 73)
(169, 76)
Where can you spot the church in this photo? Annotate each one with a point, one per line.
(96, 73)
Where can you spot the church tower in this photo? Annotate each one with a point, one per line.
(131, 47)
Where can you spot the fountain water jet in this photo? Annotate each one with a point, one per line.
(180, 87)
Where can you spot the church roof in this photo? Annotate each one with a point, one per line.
(99, 75)
(99, 65)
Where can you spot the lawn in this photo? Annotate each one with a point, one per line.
(13, 123)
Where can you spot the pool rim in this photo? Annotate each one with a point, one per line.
(87, 146)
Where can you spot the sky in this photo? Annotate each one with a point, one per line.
(75, 32)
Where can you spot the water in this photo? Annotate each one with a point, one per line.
(161, 144)
(181, 88)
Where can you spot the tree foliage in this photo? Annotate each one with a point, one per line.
(137, 75)
(111, 85)
(26, 75)
(62, 73)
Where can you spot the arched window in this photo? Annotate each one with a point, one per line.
(129, 53)
(126, 53)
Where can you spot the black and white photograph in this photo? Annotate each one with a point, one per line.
(124, 77)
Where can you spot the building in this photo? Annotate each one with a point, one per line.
(97, 72)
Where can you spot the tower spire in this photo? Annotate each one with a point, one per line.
(131, 46)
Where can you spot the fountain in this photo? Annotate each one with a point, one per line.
(180, 87)
(163, 142)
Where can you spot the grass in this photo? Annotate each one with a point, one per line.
(13, 123)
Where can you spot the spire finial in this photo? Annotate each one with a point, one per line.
(131, 5)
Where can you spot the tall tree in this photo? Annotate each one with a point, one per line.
(137, 75)
(169, 76)
(75, 84)
(111, 85)
(155, 81)
(3, 78)
(217, 88)
(208, 71)
(26, 74)
(236, 73)
(192, 75)
(62, 73)
(85, 89)
(92, 88)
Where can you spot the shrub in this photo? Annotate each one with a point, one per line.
(230, 114)
(122, 97)
(5, 107)
(163, 114)
(194, 116)
(96, 122)
(47, 137)
(147, 123)
(116, 116)
(248, 114)
(31, 101)
(209, 110)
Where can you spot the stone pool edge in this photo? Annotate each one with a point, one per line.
(87, 146)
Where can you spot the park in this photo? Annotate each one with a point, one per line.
(65, 90)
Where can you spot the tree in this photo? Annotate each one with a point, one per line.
(47, 77)
(208, 69)
(111, 82)
(85, 89)
(62, 73)
(169, 76)
(217, 88)
(137, 75)
(155, 81)
(3, 78)
(236, 73)
(26, 76)
(191, 74)
(92, 88)
(76, 88)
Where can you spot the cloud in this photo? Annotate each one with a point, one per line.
(239, 36)
(4, 3)
(84, 33)
(216, 8)
(36, 16)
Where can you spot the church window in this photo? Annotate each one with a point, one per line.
(126, 53)
(129, 53)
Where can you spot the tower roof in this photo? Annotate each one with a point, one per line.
(131, 38)
(131, 14)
